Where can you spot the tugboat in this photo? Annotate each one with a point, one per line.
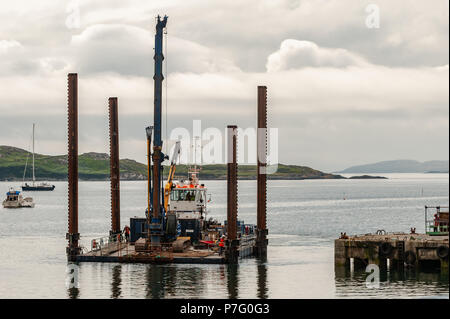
(437, 225)
(188, 200)
(36, 186)
(15, 200)
(185, 204)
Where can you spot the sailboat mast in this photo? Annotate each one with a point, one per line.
(33, 155)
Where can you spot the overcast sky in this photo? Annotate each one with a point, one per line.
(340, 93)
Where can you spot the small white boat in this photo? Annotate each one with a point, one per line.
(15, 200)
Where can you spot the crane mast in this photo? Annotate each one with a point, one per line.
(156, 226)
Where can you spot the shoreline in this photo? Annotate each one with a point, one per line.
(281, 178)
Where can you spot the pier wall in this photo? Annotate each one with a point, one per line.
(402, 250)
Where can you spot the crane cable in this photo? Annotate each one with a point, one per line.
(26, 163)
(167, 77)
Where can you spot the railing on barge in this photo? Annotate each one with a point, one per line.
(108, 244)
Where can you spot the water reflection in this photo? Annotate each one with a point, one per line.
(394, 283)
(170, 281)
(166, 281)
(74, 293)
(155, 284)
(173, 281)
(190, 280)
(116, 282)
(249, 279)
(233, 281)
(263, 291)
(72, 280)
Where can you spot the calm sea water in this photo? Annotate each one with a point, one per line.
(304, 218)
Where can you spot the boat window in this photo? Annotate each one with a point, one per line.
(200, 197)
(182, 195)
(177, 195)
(190, 195)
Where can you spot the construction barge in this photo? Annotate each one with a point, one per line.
(123, 252)
(398, 251)
(174, 228)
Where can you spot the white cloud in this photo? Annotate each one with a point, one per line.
(7, 45)
(359, 87)
(128, 50)
(295, 54)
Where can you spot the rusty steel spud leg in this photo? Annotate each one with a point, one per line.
(261, 241)
(114, 165)
(72, 170)
(232, 252)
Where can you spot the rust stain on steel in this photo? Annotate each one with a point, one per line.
(72, 160)
(232, 189)
(262, 158)
(114, 165)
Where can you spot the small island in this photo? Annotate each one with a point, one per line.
(367, 177)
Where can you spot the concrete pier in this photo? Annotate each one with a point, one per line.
(393, 250)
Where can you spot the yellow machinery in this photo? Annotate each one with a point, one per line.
(169, 183)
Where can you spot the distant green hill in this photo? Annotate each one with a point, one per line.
(95, 166)
(400, 166)
(219, 171)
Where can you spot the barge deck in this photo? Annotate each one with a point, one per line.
(120, 252)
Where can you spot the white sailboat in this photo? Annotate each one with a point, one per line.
(36, 186)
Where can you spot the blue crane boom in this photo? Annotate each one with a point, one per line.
(158, 79)
(157, 207)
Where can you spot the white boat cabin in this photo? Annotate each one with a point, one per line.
(188, 201)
